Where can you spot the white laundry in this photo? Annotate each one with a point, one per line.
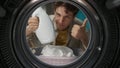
(58, 51)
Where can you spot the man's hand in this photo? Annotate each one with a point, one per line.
(78, 32)
(33, 24)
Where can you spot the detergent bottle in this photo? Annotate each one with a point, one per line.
(45, 31)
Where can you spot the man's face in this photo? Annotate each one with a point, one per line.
(63, 18)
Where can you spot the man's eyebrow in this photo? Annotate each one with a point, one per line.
(57, 13)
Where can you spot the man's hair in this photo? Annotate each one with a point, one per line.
(68, 7)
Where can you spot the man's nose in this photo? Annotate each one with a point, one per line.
(61, 19)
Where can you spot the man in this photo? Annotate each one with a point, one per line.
(69, 31)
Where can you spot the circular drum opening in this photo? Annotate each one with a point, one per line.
(58, 33)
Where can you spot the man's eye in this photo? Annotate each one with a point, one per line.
(58, 14)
